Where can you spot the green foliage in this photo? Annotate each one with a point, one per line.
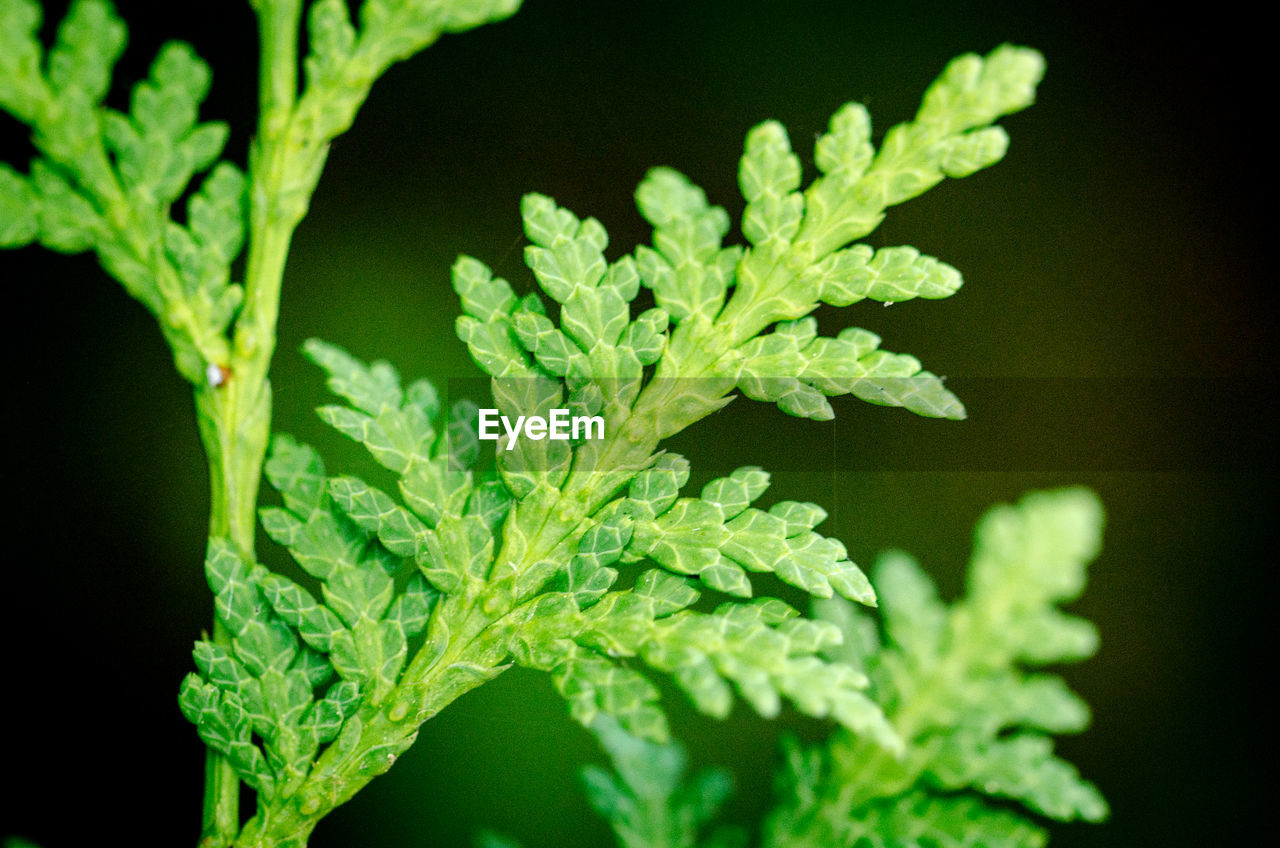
(578, 558)
(708, 335)
(717, 536)
(562, 613)
(959, 686)
(345, 58)
(421, 598)
(264, 685)
(649, 801)
(652, 374)
(375, 600)
(429, 591)
(105, 180)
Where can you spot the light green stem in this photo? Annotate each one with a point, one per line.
(234, 422)
(234, 409)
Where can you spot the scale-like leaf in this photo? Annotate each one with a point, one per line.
(104, 181)
(760, 648)
(953, 681)
(716, 303)
(719, 538)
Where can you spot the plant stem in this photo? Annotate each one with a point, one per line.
(271, 224)
(234, 423)
(235, 415)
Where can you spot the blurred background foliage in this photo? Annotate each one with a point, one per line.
(1114, 330)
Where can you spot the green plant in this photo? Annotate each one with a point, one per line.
(306, 693)
(955, 688)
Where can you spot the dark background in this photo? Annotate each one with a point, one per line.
(1115, 330)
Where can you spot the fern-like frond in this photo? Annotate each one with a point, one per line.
(763, 649)
(650, 375)
(726, 317)
(344, 60)
(342, 660)
(427, 591)
(346, 57)
(719, 537)
(414, 606)
(104, 180)
(650, 800)
(716, 303)
(564, 614)
(265, 687)
(959, 686)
